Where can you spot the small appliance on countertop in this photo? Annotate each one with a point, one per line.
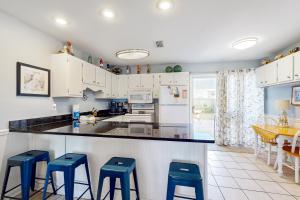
(118, 107)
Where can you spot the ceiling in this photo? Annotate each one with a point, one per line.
(194, 31)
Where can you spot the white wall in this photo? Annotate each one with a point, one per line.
(19, 42)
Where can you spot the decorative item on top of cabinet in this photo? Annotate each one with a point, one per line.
(278, 56)
(169, 69)
(148, 66)
(90, 59)
(138, 69)
(108, 67)
(116, 70)
(68, 48)
(101, 63)
(128, 69)
(177, 68)
(265, 61)
(294, 50)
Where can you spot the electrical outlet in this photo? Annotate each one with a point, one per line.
(54, 106)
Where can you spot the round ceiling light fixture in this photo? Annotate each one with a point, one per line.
(245, 43)
(61, 21)
(132, 54)
(107, 13)
(165, 4)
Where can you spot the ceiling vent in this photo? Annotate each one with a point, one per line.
(159, 44)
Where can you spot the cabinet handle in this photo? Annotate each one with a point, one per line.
(288, 77)
(261, 82)
(296, 75)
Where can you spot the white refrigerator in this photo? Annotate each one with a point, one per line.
(174, 104)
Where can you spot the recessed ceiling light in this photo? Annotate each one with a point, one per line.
(132, 54)
(108, 13)
(61, 21)
(245, 43)
(165, 4)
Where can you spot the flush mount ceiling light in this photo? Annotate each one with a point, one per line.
(245, 43)
(132, 54)
(61, 21)
(107, 13)
(165, 4)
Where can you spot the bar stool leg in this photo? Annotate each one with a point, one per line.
(26, 180)
(199, 191)
(69, 184)
(100, 185)
(136, 184)
(33, 173)
(48, 174)
(88, 179)
(7, 172)
(125, 187)
(112, 184)
(171, 190)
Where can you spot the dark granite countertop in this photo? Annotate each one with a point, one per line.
(123, 130)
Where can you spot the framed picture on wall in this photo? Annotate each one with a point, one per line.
(32, 80)
(295, 96)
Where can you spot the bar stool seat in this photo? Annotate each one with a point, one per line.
(67, 164)
(27, 162)
(184, 174)
(118, 167)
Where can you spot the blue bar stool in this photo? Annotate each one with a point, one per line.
(27, 162)
(67, 164)
(184, 174)
(121, 168)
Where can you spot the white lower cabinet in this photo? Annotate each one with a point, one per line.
(66, 76)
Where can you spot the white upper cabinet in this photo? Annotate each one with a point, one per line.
(270, 73)
(166, 79)
(156, 86)
(114, 86)
(122, 86)
(176, 78)
(297, 66)
(285, 69)
(108, 85)
(134, 81)
(146, 81)
(260, 76)
(88, 73)
(66, 75)
(100, 77)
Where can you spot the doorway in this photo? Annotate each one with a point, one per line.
(203, 103)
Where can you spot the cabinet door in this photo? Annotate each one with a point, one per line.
(181, 78)
(134, 81)
(260, 76)
(146, 81)
(74, 76)
(166, 79)
(100, 77)
(285, 69)
(108, 77)
(156, 85)
(270, 73)
(114, 86)
(297, 66)
(88, 73)
(122, 86)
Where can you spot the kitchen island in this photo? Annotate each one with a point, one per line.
(153, 145)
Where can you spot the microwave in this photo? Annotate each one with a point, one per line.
(140, 96)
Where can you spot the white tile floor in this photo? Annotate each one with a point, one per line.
(239, 176)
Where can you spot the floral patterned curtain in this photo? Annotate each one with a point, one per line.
(239, 105)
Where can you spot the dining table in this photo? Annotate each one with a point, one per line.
(280, 134)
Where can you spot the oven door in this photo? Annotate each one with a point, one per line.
(140, 97)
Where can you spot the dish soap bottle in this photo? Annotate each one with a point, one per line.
(75, 111)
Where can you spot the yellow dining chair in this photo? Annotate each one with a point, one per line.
(294, 152)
